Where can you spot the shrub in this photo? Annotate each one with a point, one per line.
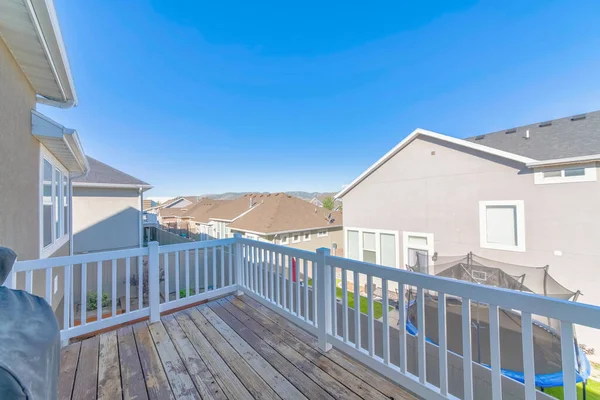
(92, 300)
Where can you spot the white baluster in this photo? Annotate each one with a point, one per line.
(214, 267)
(49, 285)
(177, 275)
(127, 285)
(99, 279)
(567, 351)
(205, 267)
(370, 316)
(167, 288)
(305, 282)
(495, 352)
(114, 288)
(140, 265)
(443, 344)
(386, 327)
(357, 310)
(196, 272)
(467, 350)
(188, 292)
(222, 269)
(422, 335)
(344, 306)
(402, 326)
(528, 363)
(83, 307)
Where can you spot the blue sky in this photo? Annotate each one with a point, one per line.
(204, 97)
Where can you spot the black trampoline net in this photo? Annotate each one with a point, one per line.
(476, 269)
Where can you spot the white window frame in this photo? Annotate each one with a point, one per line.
(304, 236)
(323, 233)
(429, 247)
(378, 233)
(590, 174)
(520, 228)
(299, 237)
(61, 237)
(284, 239)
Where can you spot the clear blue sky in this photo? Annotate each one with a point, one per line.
(211, 96)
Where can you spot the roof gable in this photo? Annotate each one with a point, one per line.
(101, 174)
(449, 139)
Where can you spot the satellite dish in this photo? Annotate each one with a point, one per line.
(334, 246)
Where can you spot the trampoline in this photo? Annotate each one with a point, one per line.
(546, 337)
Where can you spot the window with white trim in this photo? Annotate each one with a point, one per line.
(296, 238)
(373, 246)
(306, 236)
(284, 239)
(502, 225)
(578, 173)
(322, 233)
(55, 206)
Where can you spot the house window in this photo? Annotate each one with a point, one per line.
(369, 248)
(373, 246)
(284, 239)
(418, 248)
(502, 225)
(387, 244)
(306, 236)
(322, 233)
(54, 206)
(581, 173)
(296, 238)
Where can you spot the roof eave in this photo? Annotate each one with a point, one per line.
(563, 161)
(449, 139)
(113, 185)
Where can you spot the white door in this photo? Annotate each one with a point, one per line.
(418, 249)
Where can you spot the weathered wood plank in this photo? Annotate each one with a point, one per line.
(154, 373)
(69, 357)
(253, 382)
(86, 378)
(109, 372)
(207, 385)
(181, 382)
(231, 385)
(279, 383)
(326, 381)
(275, 333)
(307, 386)
(132, 377)
(359, 370)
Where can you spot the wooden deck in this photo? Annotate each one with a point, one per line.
(232, 348)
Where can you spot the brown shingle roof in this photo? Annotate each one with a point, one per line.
(234, 208)
(282, 213)
(185, 211)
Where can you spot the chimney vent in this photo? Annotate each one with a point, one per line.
(527, 134)
(578, 117)
(544, 124)
(251, 202)
(508, 132)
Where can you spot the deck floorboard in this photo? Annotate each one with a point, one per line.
(232, 348)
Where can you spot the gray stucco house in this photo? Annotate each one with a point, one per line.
(528, 195)
(107, 209)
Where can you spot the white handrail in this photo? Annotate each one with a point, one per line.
(302, 286)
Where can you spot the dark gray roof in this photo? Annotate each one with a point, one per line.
(103, 173)
(573, 136)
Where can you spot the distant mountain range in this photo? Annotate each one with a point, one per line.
(234, 195)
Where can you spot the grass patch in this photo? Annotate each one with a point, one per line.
(364, 302)
(592, 391)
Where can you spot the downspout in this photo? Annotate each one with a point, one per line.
(71, 308)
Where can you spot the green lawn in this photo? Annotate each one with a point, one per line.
(592, 391)
(364, 302)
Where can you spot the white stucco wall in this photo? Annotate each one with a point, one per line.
(105, 219)
(432, 187)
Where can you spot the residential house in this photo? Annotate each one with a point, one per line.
(149, 204)
(528, 195)
(189, 219)
(287, 220)
(107, 209)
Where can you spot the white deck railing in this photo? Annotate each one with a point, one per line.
(302, 286)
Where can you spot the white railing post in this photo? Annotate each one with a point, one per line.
(153, 282)
(323, 298)
(237, 263)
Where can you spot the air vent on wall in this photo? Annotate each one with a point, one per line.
(578, 117)
(508, 132)
(479, 137)
(544, 124)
